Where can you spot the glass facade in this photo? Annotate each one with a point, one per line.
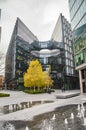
(55, 57)
(77, 13)
(63, 33)
(78, 21)
(22, 56)
(80, 58)
(79, 39)
(18, 55)
(51, 56)
(16, 63)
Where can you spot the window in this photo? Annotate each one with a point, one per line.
(65, 46)
(71, 63)
(65, 39)
(45, 60)
(79, 45)
(67, 70)
(72, 71)
(80, 57)
(66, 54)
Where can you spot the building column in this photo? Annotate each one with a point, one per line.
(5, 86)
(80, 81)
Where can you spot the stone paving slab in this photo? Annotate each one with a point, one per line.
(29, 113)
(65, 95)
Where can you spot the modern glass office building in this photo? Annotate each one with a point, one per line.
(17, 56)
(55, 55)
(23, 48)
(78, 21)
(63, 33)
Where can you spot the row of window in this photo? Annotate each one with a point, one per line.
(68, 55)
(22, 52)
(67, 27)
(23, 45)
(79, 45)
(67, 40)
(68, 48)
(69, 62)
(80, 58)
(48, 61)
(20, 58)
(67, 34)
(69, 70)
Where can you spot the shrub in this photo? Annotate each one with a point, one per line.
(4, 95)
(52, 90)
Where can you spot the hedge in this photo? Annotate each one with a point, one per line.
(4, 95)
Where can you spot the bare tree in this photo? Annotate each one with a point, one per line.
(2, 63)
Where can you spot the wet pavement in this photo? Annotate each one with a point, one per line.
(26, 114)
(54, 120)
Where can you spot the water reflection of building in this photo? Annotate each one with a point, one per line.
(78, 21)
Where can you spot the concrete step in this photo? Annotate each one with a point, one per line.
(65, 95)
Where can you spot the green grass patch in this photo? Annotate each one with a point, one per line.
(38, 91)
(4, 95)
(34, 92)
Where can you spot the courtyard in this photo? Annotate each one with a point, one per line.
(48, 103)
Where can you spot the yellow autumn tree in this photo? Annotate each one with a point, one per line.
(48, 82)
(34, 75)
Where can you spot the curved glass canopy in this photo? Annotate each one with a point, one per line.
(46, 53)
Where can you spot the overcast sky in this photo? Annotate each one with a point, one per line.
(39, 16)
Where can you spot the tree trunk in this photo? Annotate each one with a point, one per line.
(34, 88)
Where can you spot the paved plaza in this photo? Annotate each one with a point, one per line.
(28, 113)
